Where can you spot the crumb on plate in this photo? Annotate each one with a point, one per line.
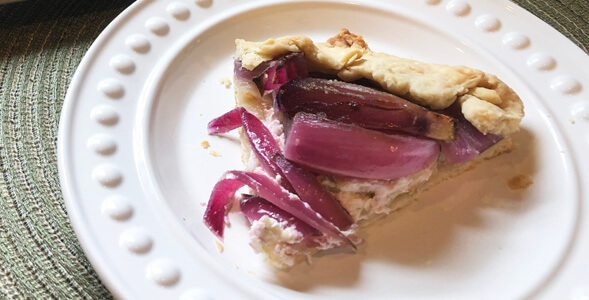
(219, 246)
(225, 81)
(520, 182)
(205, 144)
(214, 153)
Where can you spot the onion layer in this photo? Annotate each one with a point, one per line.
(226, 122)
(268, 189)
(255, 207)
(272, 74)
(312, 192)
(219, 204)
(342, 149)
(296, 179)
(469, 142)
(264, 146)
(362, 106)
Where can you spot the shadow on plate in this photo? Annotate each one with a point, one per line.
(421, 235)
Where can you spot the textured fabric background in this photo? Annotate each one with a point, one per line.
(41, 44)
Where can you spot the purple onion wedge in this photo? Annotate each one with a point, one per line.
(280, 71)
(220, 203)
(312, 192)
(261, 139)
(255, 207)
(243, 74)
(469, 142)
(362, 106)
(264, 146)
(268, 189)
(226, 122)
(336, 148)
(269, 154)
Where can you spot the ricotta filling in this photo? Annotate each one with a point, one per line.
(284, 246)
(365, 198)
(281, 244)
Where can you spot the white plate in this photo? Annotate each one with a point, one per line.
(134, 175)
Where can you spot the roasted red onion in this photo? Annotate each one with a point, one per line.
(296, 179)
(255, 207)
(264, 146)
(342, 149)
(262, 141)
(469, 142)
(313, 193)
(224, 191)
(225, 123)
(272, 74)
(220, 203)
(243, 74)
(363, 106)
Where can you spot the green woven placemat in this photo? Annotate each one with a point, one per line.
(41, 44)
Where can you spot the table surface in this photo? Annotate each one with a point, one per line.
(41, 45)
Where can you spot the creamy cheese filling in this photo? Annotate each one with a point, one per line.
(284, 245)
(365, 198)
(281, 244)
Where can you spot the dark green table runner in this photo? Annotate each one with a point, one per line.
(41, 44)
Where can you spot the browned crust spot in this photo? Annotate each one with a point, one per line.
(347, 39)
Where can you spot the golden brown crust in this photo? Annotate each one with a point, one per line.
(487, 102)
